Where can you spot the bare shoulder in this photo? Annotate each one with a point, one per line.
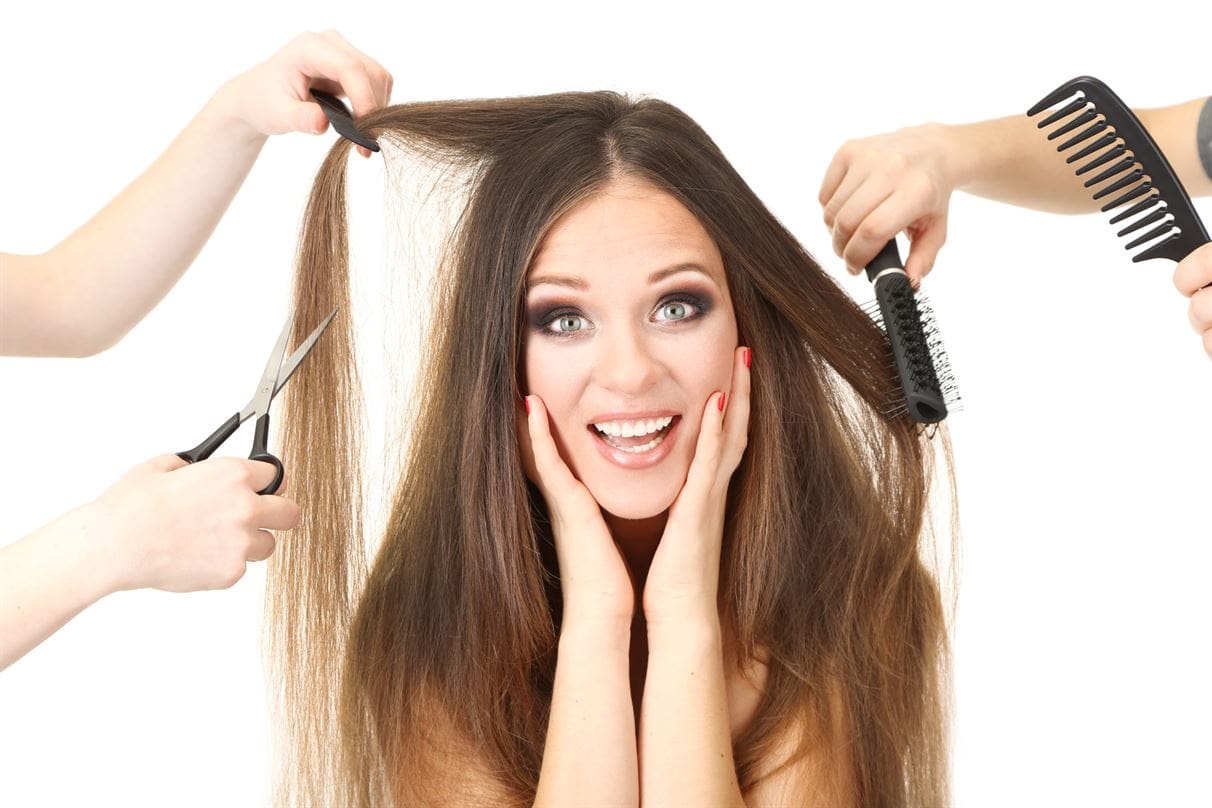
(806, 766)
(812, 780)
(442, 766)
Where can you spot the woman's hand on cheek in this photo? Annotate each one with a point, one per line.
(684, 577)
(594, 578)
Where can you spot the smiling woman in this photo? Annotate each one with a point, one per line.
(611, 345)
(654, 541)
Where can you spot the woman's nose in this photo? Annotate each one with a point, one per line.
(626, 364)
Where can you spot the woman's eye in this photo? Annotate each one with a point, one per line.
(567, 323)
(674, 310)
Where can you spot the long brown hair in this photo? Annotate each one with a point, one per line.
(452, 631)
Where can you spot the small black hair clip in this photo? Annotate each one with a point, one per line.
(342, 119)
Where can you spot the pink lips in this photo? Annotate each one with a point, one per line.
(629, 460)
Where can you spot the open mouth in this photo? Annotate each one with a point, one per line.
(635, 437)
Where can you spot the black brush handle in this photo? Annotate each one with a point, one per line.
(887, 258)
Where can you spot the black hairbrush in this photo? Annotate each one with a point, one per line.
(1144, 173)
(922, 367)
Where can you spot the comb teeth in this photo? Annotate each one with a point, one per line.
(1153, 199)
(1122, 165)
(1130, 166)
(1110, 154)
(1093, 147)
(1145, 221)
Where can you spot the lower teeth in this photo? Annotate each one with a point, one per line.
(647, 447)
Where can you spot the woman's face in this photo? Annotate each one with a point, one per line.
(629, 330)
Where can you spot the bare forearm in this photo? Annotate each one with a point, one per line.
(685, 739)
(87, 292)
(1010, 160)
(590, 753)
(46, 579)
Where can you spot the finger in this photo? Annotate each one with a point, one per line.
(261, 544)
(865, 224)
(924, 245)
(308, 117)
(706, 461)
(321, 58)
(553, 473)
(166, 462)
(261, 474)
(380, 79)
(849, 184)
(277, 513)
(736, 414)
(1208, 342)
(326, 85)
(833, 178)
(1199, 312)
(1195, 271)
(902, 209)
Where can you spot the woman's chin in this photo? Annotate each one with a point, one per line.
(635, 514)
(638, 505)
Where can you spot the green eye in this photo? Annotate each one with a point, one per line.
(678, 310)
(567, 323)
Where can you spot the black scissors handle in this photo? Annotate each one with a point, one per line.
(259, 451)
(207, 447)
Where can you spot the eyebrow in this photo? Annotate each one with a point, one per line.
(575, 282)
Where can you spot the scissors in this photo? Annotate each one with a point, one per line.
(275, 377)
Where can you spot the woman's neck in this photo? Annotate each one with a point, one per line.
(638, 540)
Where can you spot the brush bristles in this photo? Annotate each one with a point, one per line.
(922, 382)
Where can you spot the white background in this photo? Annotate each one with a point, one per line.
(1082, 659)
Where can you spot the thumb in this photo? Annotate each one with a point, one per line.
(308, 117)
(923, 250)
(262, 473)
(165, 463)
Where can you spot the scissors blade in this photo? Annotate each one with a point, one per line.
(289, 367)
(296, 358)
(273, 368)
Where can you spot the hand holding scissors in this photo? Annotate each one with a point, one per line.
(273, 379)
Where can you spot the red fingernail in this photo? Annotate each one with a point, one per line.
(748, 356)
(722, 396)
(526, 403)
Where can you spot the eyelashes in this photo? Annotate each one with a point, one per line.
(564, 322)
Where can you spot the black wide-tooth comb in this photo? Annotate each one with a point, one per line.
(1116, 136)
(926, 385)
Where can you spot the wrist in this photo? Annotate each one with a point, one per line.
(89, 560)
(684, 630)
(600, 632)
(959, 161)
(598, 607)
(683, 615)
(224, 115)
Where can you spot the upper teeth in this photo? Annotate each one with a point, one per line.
(632, 429)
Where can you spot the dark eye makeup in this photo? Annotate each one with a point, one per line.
(542, 316)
